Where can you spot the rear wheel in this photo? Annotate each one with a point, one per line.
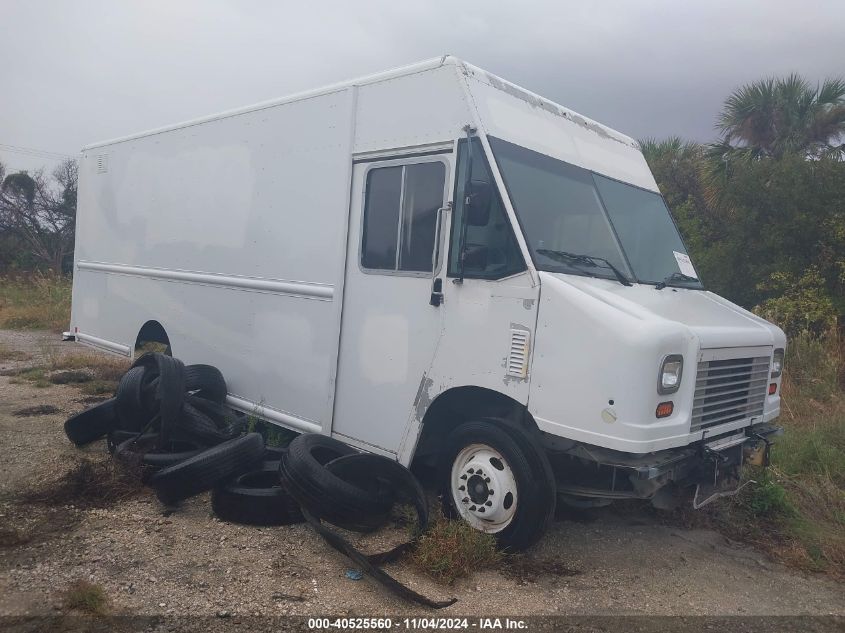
(495, 478)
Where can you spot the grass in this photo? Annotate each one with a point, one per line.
(94, 374)
(11, 354)
(796, 509)
(449, 550)
(37, 301)
(87, 597)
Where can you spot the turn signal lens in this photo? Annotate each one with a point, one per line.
(664, 409)
(773, 388)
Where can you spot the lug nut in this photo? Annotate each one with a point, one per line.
(481, 509)
(472, 508)
(465, 500)
(470, 471)
(488, 503)
(463, 476)
(461, 488)
(489, 492)
(487, 480)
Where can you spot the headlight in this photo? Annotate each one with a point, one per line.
(669, 379)
(777, 363)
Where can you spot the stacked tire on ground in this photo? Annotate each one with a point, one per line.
(169, 423)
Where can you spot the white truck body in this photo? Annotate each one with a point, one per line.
(241, 235)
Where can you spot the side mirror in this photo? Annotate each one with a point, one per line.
(480, 200)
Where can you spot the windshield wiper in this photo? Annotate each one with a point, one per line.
(586, 260)
(674, 277)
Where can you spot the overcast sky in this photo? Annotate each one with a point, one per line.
(78, 72)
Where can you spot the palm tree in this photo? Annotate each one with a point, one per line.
(772, 117)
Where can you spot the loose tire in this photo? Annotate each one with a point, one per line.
(92, 424)
(304, 474)
(497, 479)
(207, 469)
(256, 498)
(207, 381)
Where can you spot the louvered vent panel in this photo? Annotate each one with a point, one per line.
(102, 163)
(518, 355)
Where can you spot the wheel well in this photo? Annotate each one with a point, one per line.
(461, 404)
(151, 337)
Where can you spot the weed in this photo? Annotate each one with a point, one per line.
(273, 435)
(89, 483)
(452, 549)
(85, 596)
(37, 301)
(813, 366)
(11, 354)
(767, 498)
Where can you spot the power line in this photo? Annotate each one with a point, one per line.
(33, 152)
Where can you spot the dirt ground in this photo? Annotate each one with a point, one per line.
(189, 563)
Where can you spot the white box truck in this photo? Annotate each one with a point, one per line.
(438, 266)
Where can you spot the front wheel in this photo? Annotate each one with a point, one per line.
(496, 479)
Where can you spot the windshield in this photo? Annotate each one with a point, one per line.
(566, 212)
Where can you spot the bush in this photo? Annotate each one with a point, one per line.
(87, 597)
(452, 549)
(801, 305)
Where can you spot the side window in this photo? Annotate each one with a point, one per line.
(400, 214)
(492, 250)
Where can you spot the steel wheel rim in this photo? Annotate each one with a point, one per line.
(483, 488)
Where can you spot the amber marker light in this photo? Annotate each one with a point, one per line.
(664, 409)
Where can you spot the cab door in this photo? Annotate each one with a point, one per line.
(389, 328)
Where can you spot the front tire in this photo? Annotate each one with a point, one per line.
(497, 479)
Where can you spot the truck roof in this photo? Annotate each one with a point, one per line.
(411, 69)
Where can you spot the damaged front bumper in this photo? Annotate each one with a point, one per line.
(590, 475)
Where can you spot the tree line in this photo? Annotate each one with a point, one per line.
(762, 208)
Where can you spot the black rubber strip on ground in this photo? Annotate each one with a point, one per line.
(340, 544)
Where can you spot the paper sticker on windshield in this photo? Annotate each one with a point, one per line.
(685, 265)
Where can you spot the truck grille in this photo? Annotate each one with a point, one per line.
(729, 390)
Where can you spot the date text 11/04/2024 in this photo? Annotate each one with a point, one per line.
(483, 624)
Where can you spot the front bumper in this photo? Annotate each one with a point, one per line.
(590, 472)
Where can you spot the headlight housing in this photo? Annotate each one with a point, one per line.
(671, 370)
(777, 363)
